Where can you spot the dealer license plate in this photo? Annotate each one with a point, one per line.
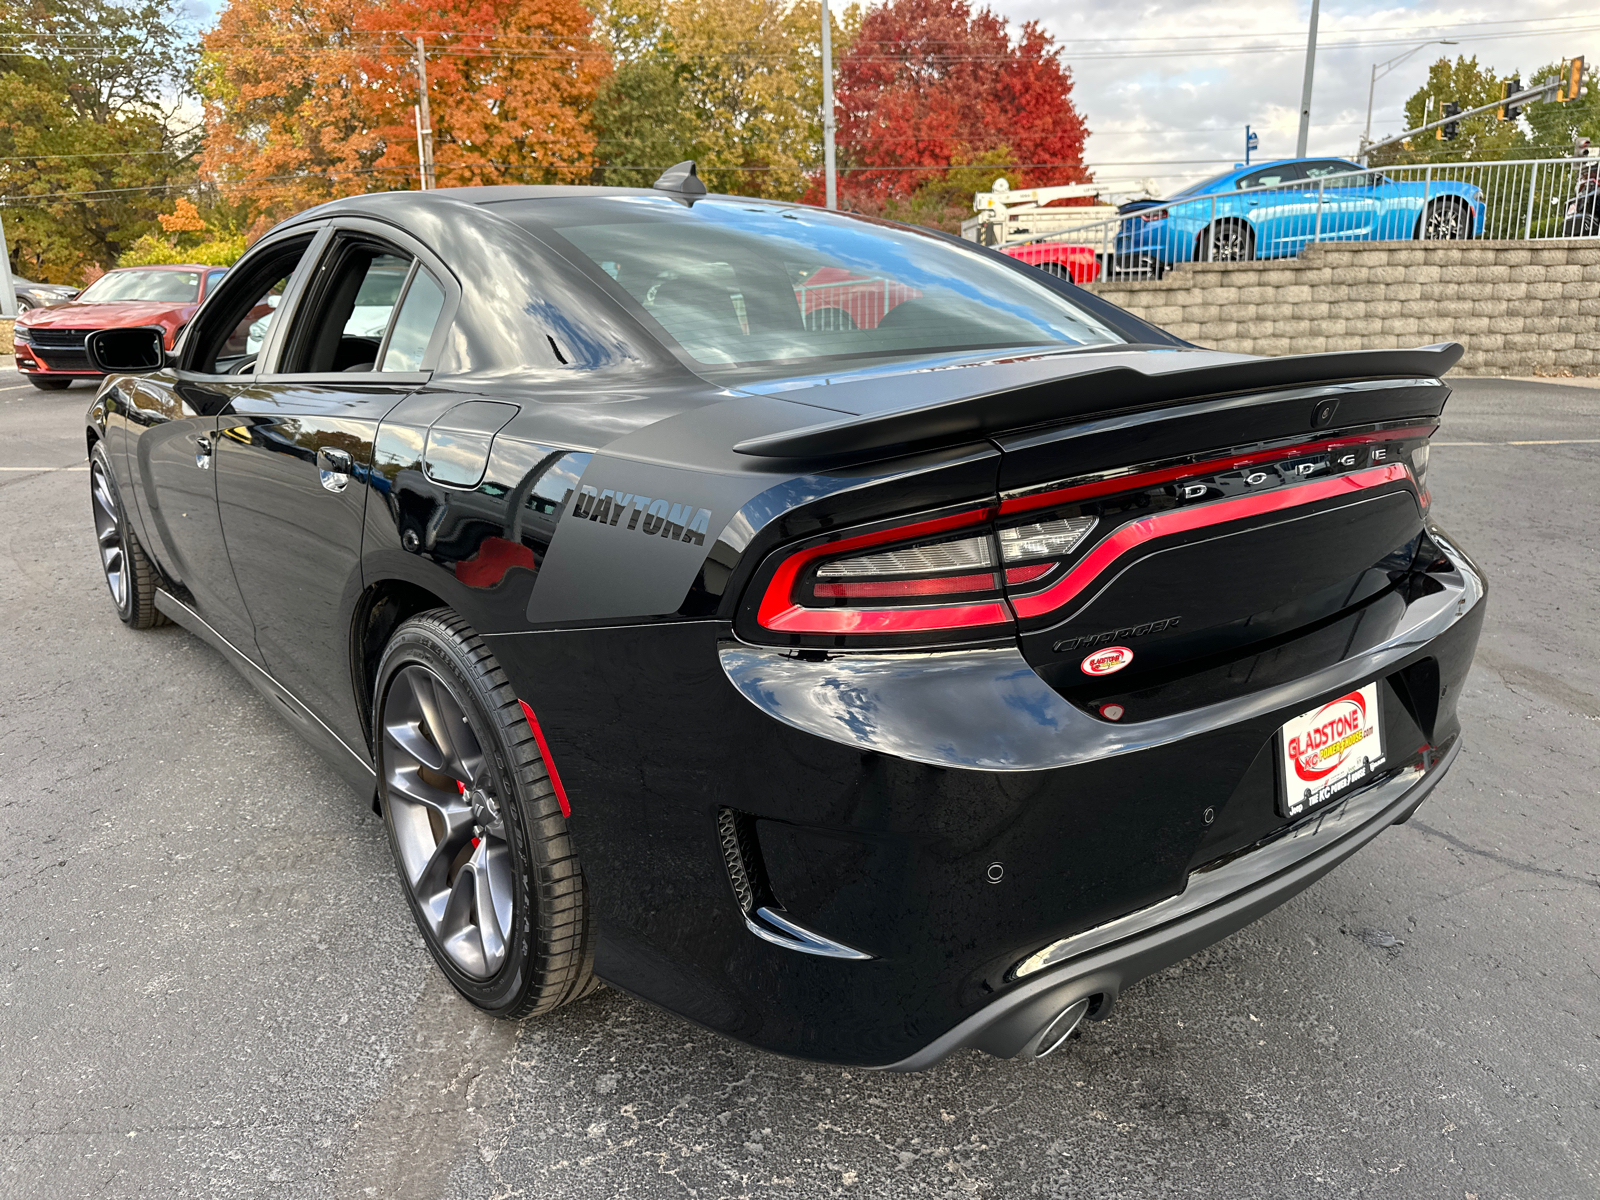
(1330, 749)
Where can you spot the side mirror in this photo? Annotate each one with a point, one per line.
(127, 351)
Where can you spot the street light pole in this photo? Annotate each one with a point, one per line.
(1305, 92)
(1388, 65)
(830, 181)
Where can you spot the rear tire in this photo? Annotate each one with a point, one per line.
(46, 383)
(128, 572)
(1226, 241)
(479, 839)
(1445, 220)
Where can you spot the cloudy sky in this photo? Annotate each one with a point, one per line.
(1163, 84)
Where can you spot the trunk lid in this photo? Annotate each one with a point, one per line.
(1218, 531)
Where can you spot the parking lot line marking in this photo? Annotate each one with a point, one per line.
(44, 468)
(1553, 442)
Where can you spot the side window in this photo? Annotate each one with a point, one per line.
(1336, 174)
(342, 323)
(1268, 176)
(413, 327)
(233, 326)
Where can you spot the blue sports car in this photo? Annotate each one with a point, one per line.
(1271, 211)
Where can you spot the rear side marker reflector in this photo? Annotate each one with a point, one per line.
(1184, 520)
(549, 763)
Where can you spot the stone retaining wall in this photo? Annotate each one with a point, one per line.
(1520, 308)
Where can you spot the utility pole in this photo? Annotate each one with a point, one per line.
(424, 122)
(8, 288)
(830, 180)
(1305, 92)
(1379, 70)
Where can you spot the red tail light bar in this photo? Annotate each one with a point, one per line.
(1184, 520)
(954, 574)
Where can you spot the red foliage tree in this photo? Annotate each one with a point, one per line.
(934, 84)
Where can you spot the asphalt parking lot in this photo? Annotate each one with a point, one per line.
(210, 985)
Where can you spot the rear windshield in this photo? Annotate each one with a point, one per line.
(744, 283)
(178, 287)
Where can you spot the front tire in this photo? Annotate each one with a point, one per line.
(478, 836)
(128, 571)
(1445, 220)
(48, 383)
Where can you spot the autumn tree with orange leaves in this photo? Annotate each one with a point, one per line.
(311, 100)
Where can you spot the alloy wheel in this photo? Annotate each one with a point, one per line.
(449, 827)
(108, 533)
(1230, 244)
(1445, 223)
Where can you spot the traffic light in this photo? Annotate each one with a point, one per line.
(1571, 81)
(1448, 131)
(1510, 112)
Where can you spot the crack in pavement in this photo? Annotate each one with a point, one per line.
(1502, 860)
(1515, 674)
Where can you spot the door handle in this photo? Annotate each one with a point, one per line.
(202, 452)
(333, 468)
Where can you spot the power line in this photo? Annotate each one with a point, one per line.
(1061, 48)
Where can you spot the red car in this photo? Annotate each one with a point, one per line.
(50, 340)
(1077, 263)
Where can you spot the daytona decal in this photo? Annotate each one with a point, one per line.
(652, 517)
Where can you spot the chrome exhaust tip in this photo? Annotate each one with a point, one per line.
(1060, 1027)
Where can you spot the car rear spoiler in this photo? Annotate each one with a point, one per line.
(1094, 392)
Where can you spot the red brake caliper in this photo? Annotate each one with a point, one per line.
(462, 788)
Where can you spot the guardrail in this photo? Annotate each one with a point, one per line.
(1528, 199)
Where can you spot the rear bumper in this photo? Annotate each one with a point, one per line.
(946, 814)
(1099, 963)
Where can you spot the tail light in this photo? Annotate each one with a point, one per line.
(973, 573)
(929, 576)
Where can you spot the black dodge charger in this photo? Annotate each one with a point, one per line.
(848, 638)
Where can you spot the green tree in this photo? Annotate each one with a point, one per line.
(642, 119)
(944, 200)
(732, 84)
(90, 144)
(1557, 126)
(1467, 84)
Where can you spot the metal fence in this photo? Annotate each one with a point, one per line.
(1527, 199)
(850, 303)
